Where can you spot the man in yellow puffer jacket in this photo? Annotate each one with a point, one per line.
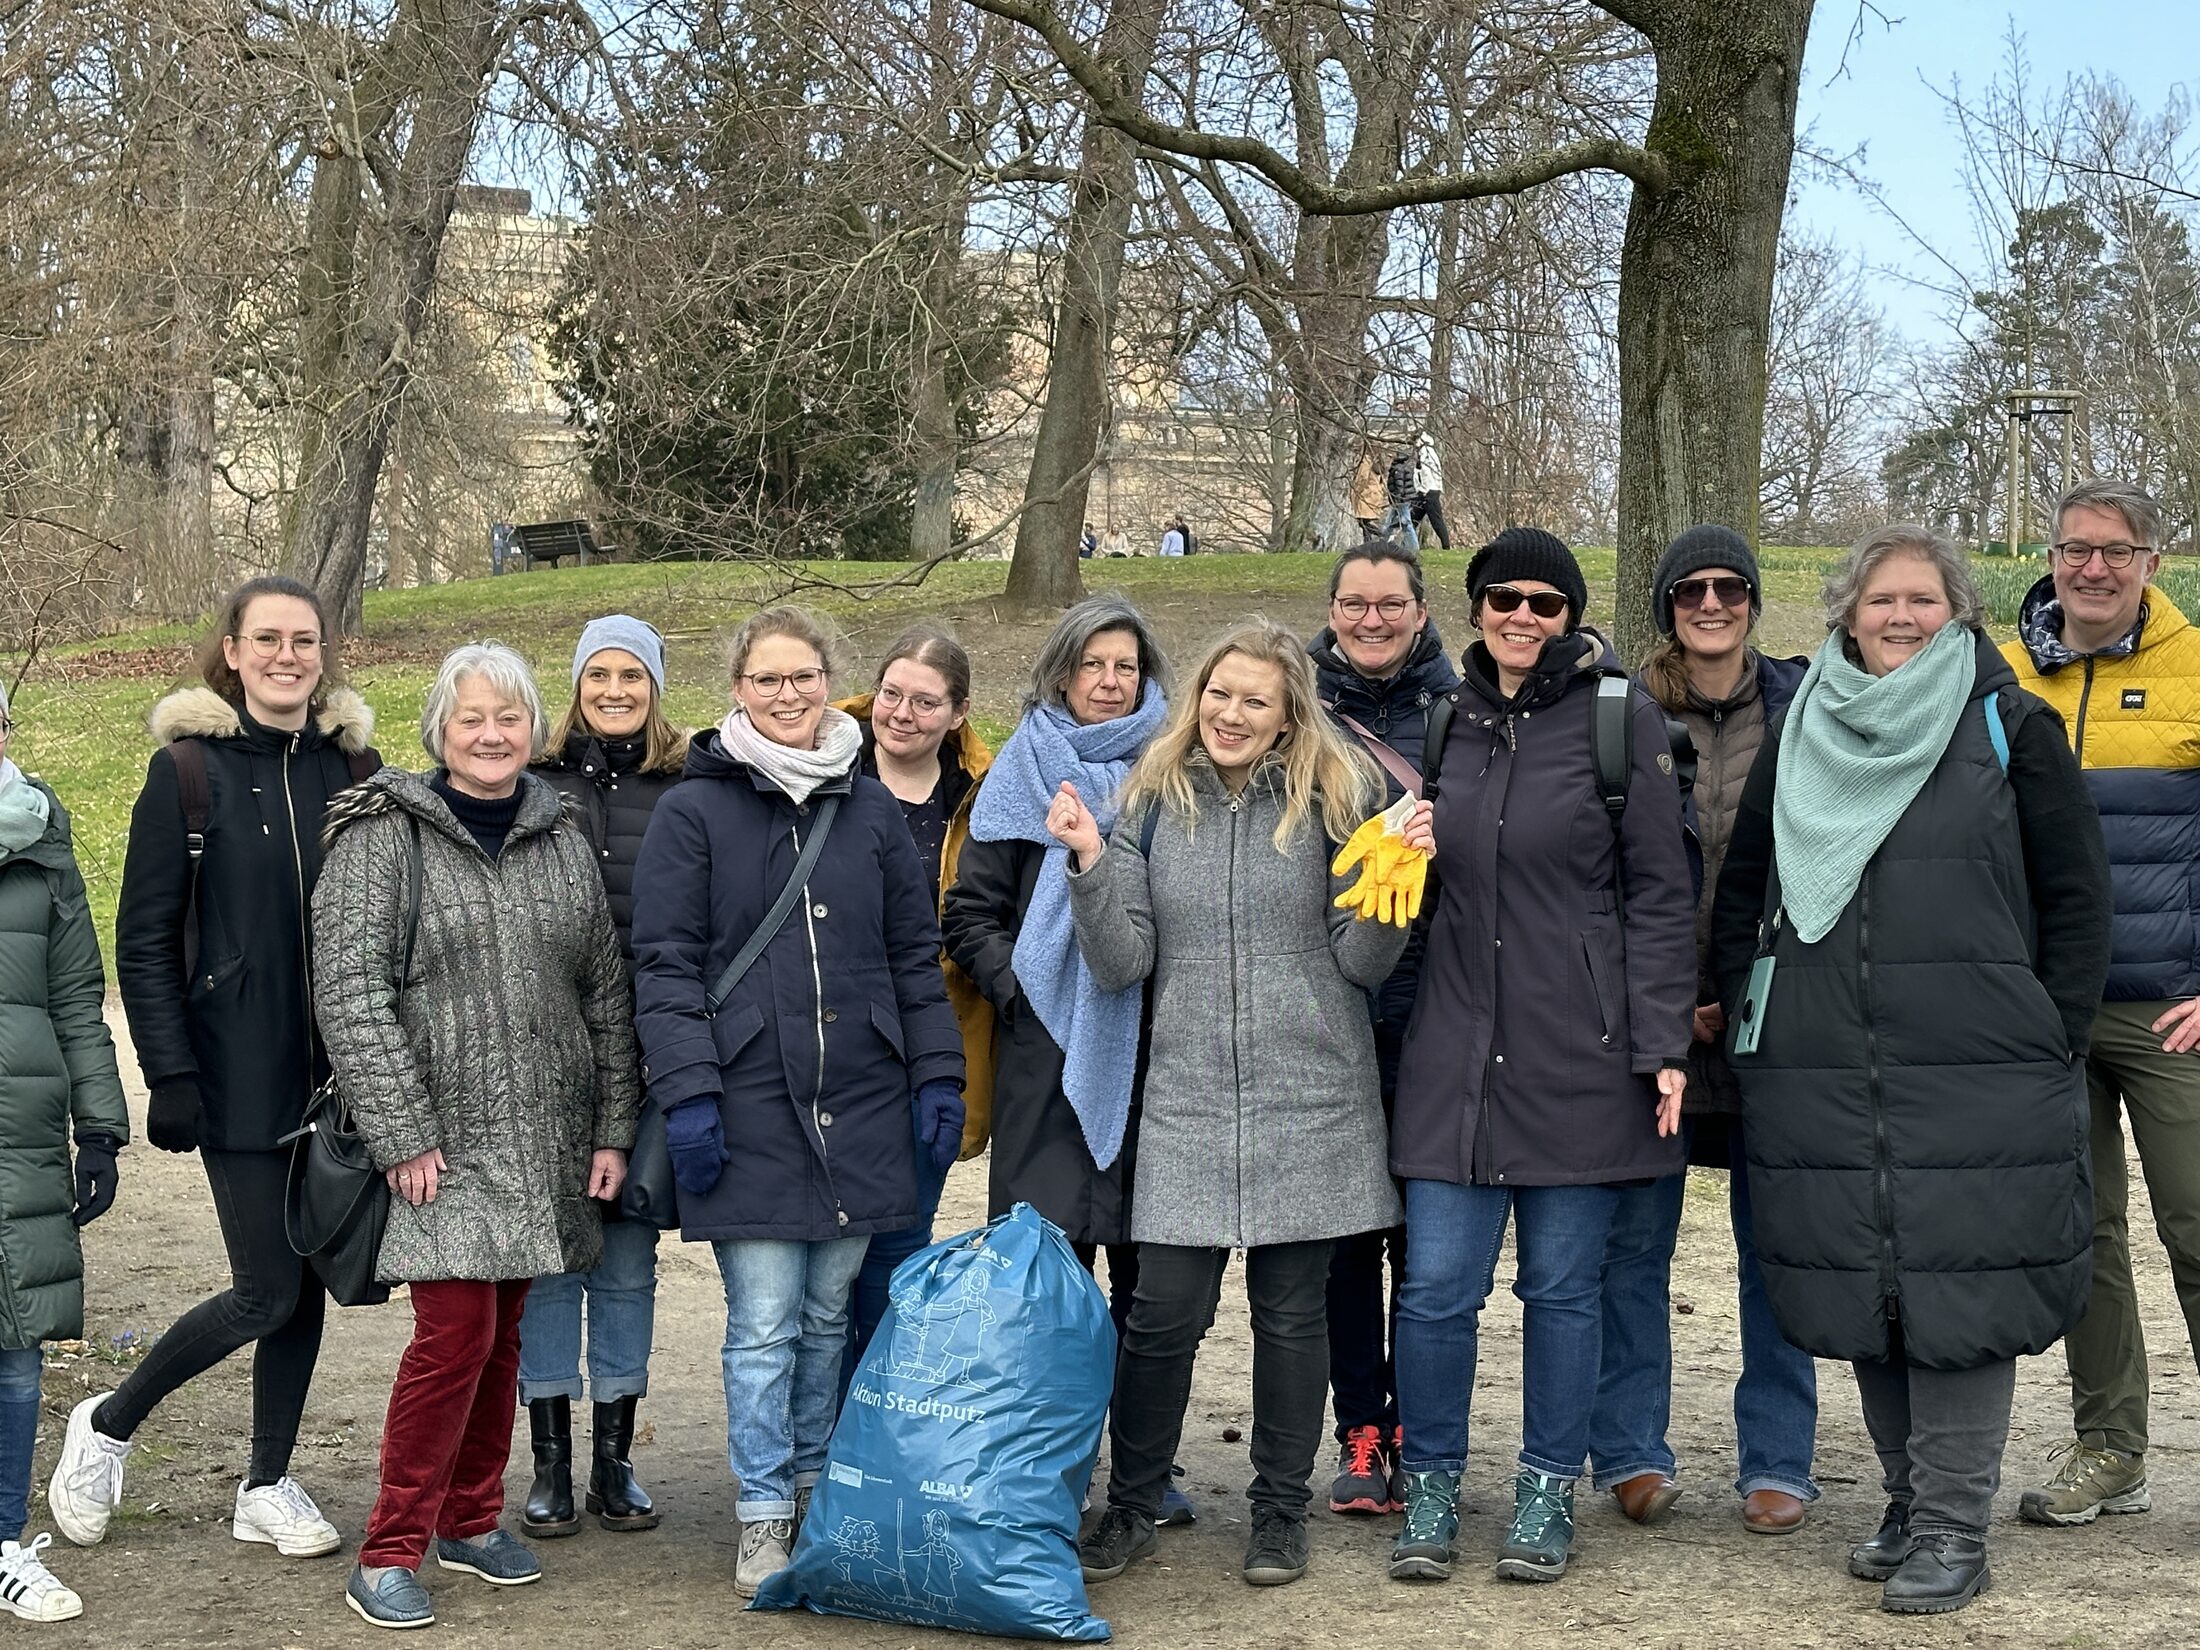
(2102, 644)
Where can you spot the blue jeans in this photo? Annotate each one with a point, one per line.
(786, 1325)
(1453, 1236)
(19, 1368)
(867, 1307)
(1776, 1399)
(622, 1322)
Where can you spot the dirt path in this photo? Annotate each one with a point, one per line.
(169, 1574)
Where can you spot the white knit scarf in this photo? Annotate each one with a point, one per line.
(797, 772)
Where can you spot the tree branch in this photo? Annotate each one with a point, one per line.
(1119, 106)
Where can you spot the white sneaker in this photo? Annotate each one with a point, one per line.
(281, 1515)
(764, 1553)
(87, 1480)
(29, 1590)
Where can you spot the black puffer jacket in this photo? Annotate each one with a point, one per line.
(1039, 1152)
(1915, 1113)
(616, 798)
(242, 1024)
(1394, 710)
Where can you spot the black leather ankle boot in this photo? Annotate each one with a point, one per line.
(1944, 1572)
(618, 1502)
(549, 1508)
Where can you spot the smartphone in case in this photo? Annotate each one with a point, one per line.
(1749, 1024)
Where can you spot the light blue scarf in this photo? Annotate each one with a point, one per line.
(1854, 752)
(1096, 1030)
(24, 810)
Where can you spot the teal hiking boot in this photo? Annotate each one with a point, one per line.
(1542, 1535)
(1423, 1551)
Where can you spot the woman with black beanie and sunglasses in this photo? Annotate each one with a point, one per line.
(1548, 1047)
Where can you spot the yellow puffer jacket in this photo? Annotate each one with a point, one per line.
(973, 1014)
(2134, 721)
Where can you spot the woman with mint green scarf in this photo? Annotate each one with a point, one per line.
(1910, 936)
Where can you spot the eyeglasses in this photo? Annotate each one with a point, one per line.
(2076, 553)
(1731, 591)
(769, 682)
(268, 643)
(1544, 604)
(923, 706)
(1355, 608)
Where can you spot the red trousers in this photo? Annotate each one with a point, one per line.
(449, 1431)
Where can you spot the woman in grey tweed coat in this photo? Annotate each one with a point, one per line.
(500, 1093)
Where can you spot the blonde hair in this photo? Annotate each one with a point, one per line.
(1321, 768)
(664, 747)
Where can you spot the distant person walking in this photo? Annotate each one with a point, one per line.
(1172, 539)
(1428, 504)
(1369, 498)
(1401, 489)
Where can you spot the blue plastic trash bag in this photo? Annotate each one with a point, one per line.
(951, 1494)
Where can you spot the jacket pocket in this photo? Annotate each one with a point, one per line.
(887, 1024)
(213, 977)
(1600, 988)
(732, 1032)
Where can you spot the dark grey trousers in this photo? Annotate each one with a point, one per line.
(1940, 1435)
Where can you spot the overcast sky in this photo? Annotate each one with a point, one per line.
(1888, 102)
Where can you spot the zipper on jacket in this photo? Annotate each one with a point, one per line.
(298, 867)
(1237, 1072)
(2077, 738)
(817, 1094)
(1882, 1166)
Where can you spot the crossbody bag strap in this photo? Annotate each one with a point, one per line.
(419, 872)
(1389, 760)
(776, 918)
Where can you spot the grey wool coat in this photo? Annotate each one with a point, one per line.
(514, 1048)
(1262, 1118)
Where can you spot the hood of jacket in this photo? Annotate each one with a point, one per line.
(392, 790)
(344, 719)
(1426, 673)
(2039, 626)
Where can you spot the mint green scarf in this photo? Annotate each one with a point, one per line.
(1854, 752)
(24, 810)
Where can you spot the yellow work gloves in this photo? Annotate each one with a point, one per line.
(1393, 876)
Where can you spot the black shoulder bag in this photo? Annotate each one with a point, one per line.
(649, 1193)
(336, 1205)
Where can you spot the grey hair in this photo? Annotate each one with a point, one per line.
(2142, 515)
(1056, 666)
(504, 670)
(1845, 583)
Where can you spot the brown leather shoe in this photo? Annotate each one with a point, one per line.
(1773, 1512)
(1646, 1497)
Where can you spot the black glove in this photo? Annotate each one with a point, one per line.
(172, 1121)
(95, 1176)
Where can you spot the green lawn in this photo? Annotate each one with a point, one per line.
(83, 711)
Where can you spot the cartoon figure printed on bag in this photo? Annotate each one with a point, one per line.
(931, 1569)
(856, 1547)
(940, 1339)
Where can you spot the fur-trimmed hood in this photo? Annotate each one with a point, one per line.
(201, 713)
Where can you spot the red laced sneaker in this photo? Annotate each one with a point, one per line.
(1363, 1474)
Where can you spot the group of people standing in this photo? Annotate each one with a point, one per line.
(829, 948)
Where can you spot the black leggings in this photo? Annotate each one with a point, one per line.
(274, 1299)
(1122, 1277)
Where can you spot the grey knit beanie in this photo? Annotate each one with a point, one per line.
(622, 630)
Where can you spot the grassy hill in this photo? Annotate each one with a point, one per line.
(83, 710)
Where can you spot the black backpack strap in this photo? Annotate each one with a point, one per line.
(364, 764)
(197, 798)
(1612, 756)
(1146, 828)
(776, 918)
(1440, 713)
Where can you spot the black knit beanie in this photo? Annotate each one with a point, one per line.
(1530, 553)
(1696, 549)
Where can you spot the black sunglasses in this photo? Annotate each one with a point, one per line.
(1544, 604)
(1732, 591)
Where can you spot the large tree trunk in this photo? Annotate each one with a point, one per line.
(1696, 274)
(364, 287)
(1045, 571)
(1338, 265)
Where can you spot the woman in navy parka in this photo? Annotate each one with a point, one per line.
(795, 1113)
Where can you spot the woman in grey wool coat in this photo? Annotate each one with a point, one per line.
(1262, 1126)
(496, 1082)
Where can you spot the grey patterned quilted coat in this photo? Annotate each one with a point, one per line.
(516, 1050)
(1263, 1116)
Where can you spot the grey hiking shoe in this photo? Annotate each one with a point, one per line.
(1423, 1548)
(499, 1557)
(1276, 1554)
(1542, 1537)
(391, 1597)
(767, 1547)
(2089, 1482)
(1110, 1546)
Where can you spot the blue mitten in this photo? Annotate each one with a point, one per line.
(940, 1122)
(696, 1142)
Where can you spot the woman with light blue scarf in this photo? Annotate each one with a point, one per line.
(1064, 1128)
(1910, 936)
